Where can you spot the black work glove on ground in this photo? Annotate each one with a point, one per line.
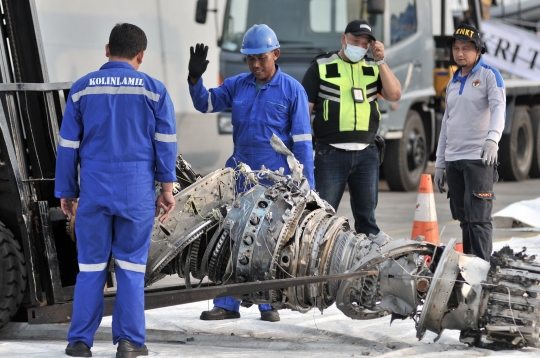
(197, 60)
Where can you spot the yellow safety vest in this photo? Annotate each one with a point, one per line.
(338, 117)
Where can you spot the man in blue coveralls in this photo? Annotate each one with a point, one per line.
(263, 102)
(119, 126)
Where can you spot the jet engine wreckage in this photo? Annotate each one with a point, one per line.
(280, 229)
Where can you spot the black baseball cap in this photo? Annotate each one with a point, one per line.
(469, 33)
(359, 27)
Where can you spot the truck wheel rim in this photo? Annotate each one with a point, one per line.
(416, 151)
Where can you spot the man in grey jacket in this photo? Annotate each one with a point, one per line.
(471, 129)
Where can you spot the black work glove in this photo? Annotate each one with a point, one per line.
(197, 60)
(381, 146)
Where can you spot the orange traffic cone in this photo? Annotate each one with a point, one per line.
(425, 216)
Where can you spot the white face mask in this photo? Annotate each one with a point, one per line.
(355, 53)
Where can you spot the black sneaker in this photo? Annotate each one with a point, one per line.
(218, 313)
(126, 349)
(78, 349)
(270, 315)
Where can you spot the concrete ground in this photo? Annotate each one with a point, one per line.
(177, 332)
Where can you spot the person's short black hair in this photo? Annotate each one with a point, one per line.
(126, 41)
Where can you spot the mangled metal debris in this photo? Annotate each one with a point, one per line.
(279, 229)
(199, 208)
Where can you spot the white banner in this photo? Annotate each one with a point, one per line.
(511, 49)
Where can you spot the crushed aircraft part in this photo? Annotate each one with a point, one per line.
(278, 229)
(348, 298)
(510, 306)
(199, 208)
(494, 305)
(269, 232)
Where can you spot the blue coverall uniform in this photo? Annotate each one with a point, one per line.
(280, 107)
(119, 126)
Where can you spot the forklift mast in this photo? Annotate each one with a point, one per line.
(30, 115)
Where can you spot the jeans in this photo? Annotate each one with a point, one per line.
(335, 168)
(470, 190)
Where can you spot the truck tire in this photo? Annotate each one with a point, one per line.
(535, 121)
(516, 148)
(406, 158)
(12, 275)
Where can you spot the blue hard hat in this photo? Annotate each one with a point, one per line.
(259, 39)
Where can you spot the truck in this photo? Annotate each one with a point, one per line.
(414, 33)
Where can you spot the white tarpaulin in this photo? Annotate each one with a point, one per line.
(524, 214)
(511, 49)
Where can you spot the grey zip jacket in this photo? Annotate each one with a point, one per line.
(475, 111)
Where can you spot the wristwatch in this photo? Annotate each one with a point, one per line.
(378, 63)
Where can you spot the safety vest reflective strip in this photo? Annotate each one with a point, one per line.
(352, 116)
(325, 111)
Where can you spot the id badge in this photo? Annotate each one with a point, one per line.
(358, 95)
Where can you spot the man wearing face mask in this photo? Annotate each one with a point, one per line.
(342, 89)
(472, 126)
